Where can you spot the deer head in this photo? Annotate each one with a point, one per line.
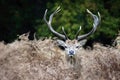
(71, 46)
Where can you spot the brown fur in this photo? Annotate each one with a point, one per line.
(71, 42)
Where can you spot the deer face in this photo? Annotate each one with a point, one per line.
(71, 46)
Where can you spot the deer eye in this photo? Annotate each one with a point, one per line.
(77, 46)
(65, 46)
(61, 47)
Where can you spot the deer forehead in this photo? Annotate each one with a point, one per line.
(71, 42)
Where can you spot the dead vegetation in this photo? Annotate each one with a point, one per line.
(43, 60)
(117, 41)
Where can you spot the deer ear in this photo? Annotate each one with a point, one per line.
(61, 43)
(82, 42)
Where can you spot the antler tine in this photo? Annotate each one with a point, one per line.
(51, 16)
(97, 20)
(78, 32)
(45, 16)
(64, 32)
(49, 23)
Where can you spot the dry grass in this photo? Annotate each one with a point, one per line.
(43, 60)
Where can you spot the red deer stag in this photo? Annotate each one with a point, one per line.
(71, 46)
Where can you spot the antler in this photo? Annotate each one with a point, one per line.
(50, 26)
(97, 20)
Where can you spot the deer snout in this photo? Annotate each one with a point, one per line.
(71, 52)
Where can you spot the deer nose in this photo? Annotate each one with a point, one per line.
(71, 52)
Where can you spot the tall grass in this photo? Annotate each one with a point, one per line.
(43, 60)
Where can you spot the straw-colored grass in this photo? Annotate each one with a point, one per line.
(43, 60)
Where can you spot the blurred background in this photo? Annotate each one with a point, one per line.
(21, 16)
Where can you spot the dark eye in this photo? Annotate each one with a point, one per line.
(65, 46)
(77, 46)
(61, 47)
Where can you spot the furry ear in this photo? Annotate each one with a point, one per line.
(82, 42)
(61, 43)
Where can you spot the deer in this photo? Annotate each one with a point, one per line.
(71, 46)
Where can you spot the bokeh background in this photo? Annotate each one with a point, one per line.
(21, 16)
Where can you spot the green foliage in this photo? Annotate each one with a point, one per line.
(73, 14)
(21, 16)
